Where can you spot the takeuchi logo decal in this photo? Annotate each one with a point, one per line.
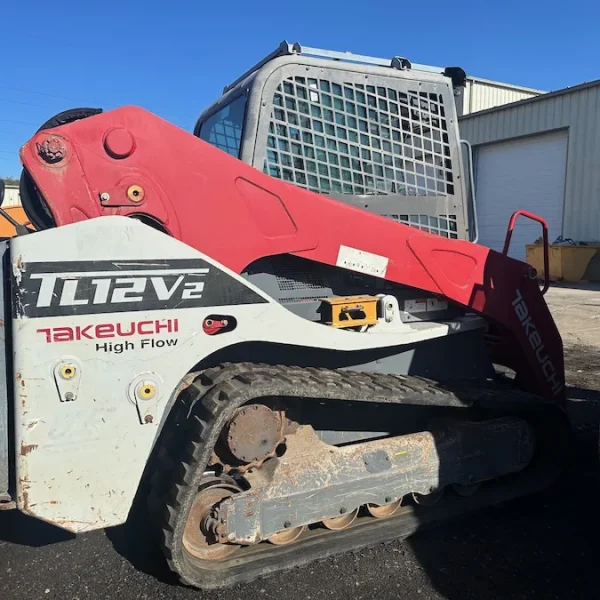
(118, 337)
(108, 330)
(535, 341)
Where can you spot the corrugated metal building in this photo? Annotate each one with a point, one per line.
(481, 94)
(541, 154)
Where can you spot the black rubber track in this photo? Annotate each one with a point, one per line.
(209, 401)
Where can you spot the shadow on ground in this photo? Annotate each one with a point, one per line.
(545, 546)
(542, 547)
(17, 528)
(138, 544)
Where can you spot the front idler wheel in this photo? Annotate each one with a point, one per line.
(200, 538)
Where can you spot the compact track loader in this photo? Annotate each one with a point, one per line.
(278, 333)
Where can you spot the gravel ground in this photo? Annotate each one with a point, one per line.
(541, 547)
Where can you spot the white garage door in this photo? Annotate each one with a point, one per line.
(527, 173)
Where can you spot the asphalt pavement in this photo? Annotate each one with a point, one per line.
(540, 547)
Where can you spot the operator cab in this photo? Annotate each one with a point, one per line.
(379, 134)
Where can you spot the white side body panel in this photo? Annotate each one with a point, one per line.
(79, 462)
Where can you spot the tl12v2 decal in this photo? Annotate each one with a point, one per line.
(52, 289)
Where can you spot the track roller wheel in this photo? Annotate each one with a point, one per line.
(199, 537)
(339, 523)
(287, 536)
(385, 510)
(428, 499)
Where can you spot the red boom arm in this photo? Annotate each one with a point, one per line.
(128, 161)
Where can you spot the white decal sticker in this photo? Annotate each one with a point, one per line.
(362, 262)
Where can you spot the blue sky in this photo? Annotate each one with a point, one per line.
(173, 58)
